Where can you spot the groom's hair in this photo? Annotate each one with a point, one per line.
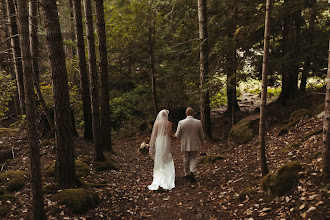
(190, 111)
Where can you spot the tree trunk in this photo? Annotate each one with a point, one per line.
(262, 125)
(98, 151)
(84, 83)
(105, 98)
(64, 167)
(9, 57)
(16, 50)
(34, 37)
(36, 181)
(151, 41)
(289, 63)
(326, 128)
(203, 67)
(304, 76)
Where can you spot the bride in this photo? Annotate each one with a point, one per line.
(160, 145)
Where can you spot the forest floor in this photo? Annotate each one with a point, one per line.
(215, 194)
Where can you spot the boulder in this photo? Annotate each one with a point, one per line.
(77, 200)
(283, 180)
(244, 130)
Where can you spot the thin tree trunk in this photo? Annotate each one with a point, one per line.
(152, 65)
(233, 118)
(203, 66)
(33, 13)
(16, 52)
(262, 125)
(84, 83)
(9, 65)
(36, 181)
(98, 151)
(64, 167)
(105, 97)
(326, 128)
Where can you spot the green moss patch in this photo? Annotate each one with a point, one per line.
(291, 147)
(99, 184)
(283, 180)
(299, 114)
(8, 131)
(49, 188)
(286, 128)
(246, 192)
(82, 169)
(14, 180)
(319, 131)
(77, 200)
(107, 164)
(210, 159)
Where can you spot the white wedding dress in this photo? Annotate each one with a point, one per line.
(164, 172)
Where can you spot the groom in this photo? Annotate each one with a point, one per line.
(190, 132)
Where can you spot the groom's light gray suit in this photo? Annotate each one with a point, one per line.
(190, 132)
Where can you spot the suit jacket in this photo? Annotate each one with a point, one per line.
(190, 132)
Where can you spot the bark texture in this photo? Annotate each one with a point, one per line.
(16, 50)
(262, 125)
(64, 167)
(84, 82)
(36, 181)
(105, 98)
(203, 66)
(326, 128)
(98, 150)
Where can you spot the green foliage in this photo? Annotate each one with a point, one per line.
(210, 159)
(283, 180)
(7, 91)
(77, 200)
(14, 180)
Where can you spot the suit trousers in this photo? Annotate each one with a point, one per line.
(189, 161)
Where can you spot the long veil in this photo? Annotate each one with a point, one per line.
(159, 140)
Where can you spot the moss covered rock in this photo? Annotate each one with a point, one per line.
(244, 130)
(316, 132)
(283, 180)
(246, 192)
(299, 114)
(286, 128)
(77, 200)
(14, 180)
(107, 164)
(210, 159)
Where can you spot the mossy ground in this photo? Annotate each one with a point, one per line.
(107, 164)
(292, 146)
(283, 180)
(77, 200)
(14, 180)
(246, 192)
(299, 114)
(210, 159)
(82, 169)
